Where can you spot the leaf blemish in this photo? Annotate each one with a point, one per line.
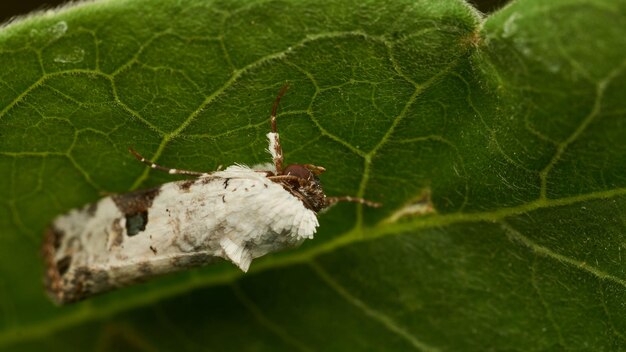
(418, 207)
(72, 56)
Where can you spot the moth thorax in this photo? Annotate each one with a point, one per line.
(307, 186)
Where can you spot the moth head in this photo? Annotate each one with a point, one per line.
(307, 171)
(308, 184)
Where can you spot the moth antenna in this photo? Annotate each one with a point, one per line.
(333, 200)
(275, 148)
(165, 169)
(281, 93)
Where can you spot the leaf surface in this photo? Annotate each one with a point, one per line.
(496, 145)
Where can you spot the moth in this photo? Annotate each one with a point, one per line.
(238, 214)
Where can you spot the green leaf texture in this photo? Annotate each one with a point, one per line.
(511, 128)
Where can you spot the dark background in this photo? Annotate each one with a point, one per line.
(12, 8)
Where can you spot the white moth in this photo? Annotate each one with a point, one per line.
(237, 214)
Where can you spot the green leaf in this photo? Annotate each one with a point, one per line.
(496, 145)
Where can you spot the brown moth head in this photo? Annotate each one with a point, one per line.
(306, 185)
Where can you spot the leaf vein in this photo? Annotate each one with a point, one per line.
(383, 319)
(518, 237)
(608, 314)
(595, 111)
(544, 303)
(311, 115)
(264, 321)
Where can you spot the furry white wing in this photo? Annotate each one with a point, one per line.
(237, 214)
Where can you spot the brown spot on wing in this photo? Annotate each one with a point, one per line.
(135, 207)
(136, 223)
(56, 236)
(186, 185)
(92, 208)
(63, 264)
(64, 283)
(135, 202)
(118, 233)
(194, 260)
(85, 283)
(146, 269)
(52, 279)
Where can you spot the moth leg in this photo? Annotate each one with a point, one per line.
(275, 148)
(166, 169)
(274, 178)
(236, 253)
(333, 200)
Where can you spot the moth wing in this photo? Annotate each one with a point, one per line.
(236, 253)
